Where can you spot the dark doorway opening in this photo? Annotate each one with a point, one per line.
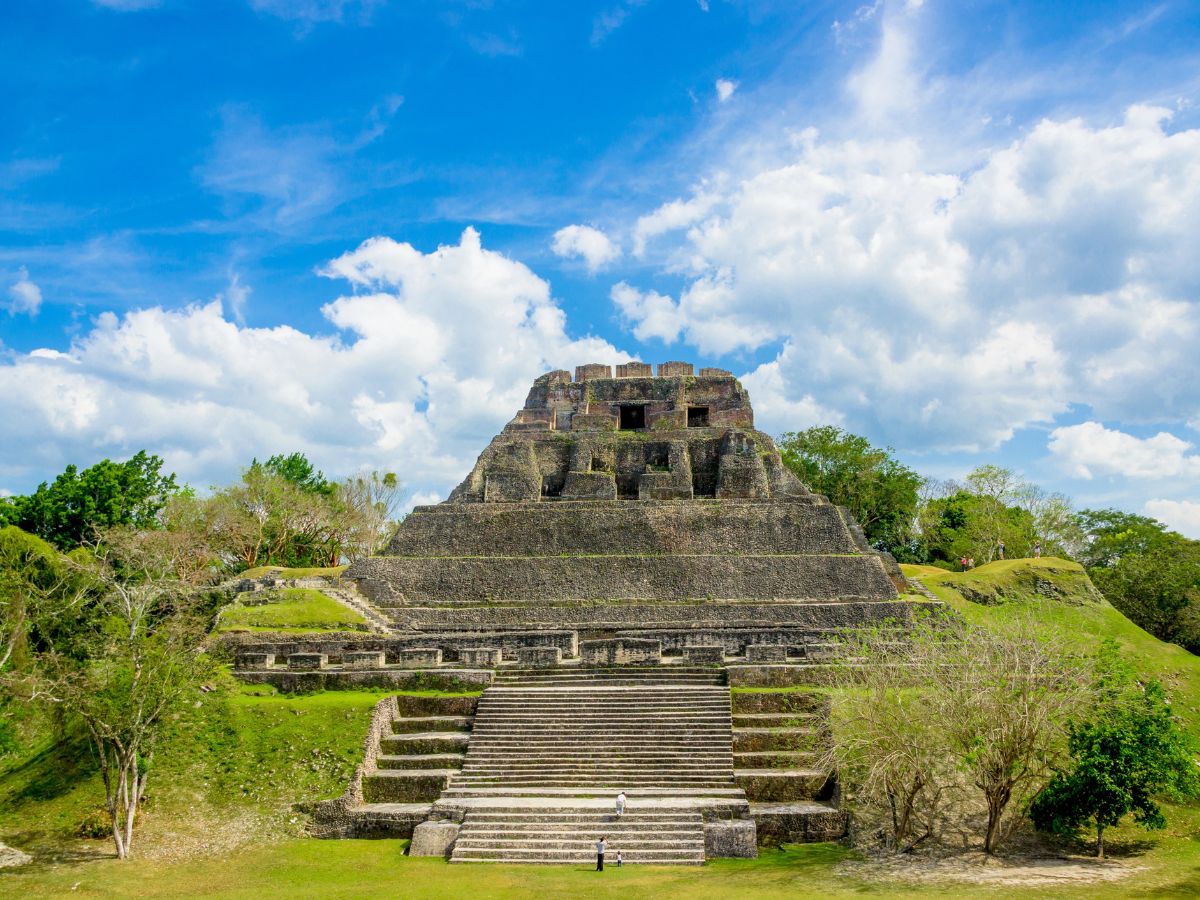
(633, 418)
(697, 417)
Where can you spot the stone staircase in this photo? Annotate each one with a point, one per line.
(550, 749)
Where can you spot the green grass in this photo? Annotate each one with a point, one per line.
(1010, 589)
(352, 869)
(235, 752)
(285, 572)
(289, 609)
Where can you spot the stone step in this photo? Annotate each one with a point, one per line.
(774, 720)
(632, 779)
(424, 742)
(784, 785)
(560, 858)
(599, 789)
(405, 785)
(787, 759)
(431, 723)
(421, 761)
(754, 739)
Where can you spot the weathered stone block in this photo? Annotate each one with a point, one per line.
(419, 658)
(592, 371)
(798, 823)
(664, 486)
(635, 370)
(620, 652)
(766, 653)
(363, 659)
(674, 369)
(709, 372)
(307, 661)
(704, 654)
(666, 419)
(511, 487)
(433, 839)
(783, 785)
(589, 486)
(598, 421)
(404, 786)
(251, 660)
(735, 839)
(480, 657)
(539, 657)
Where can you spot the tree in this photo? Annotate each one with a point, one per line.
(879, 490)
(949, 711)
(132, 654)
(1109, 535)
(1127, 753)
(296, 469)
(67, 512)
(1158, 589)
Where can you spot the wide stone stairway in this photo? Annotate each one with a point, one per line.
(550, 750)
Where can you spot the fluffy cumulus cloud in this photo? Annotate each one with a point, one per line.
(725, 89)
(584, 242)
(23, 295)
(1181, 515)
(947, 310)
(425, 359)
(1089, 450)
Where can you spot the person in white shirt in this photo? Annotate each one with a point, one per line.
(621, 803)
(600, 846)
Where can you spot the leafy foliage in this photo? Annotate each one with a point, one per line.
(1124, 756)
(68, 512)
(878, 489)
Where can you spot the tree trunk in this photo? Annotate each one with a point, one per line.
(1099, 841)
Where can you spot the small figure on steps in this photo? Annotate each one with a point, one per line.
(600, 845)
(618, 859)
(621, 803)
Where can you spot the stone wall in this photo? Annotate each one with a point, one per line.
(553, 529)
(398, 581)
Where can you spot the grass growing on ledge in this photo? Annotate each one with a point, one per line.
(284, 572)
(290, 609)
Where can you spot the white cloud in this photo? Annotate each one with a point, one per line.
(422, 365)
(948, 310)
(1089, 449)
(653, 315)
(592, 244)
(725, 89)
(1180, 515)
(672, 216)
(24, 295)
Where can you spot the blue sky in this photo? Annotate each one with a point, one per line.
(237, 227)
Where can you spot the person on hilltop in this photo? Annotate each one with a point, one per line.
(1037, 549)
(600, 847)
(621, 804)
(1001, 549)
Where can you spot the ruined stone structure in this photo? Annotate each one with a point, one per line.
(627, 547)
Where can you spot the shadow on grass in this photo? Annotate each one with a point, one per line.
(47, 774)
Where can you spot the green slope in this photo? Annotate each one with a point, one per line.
(1060, 594)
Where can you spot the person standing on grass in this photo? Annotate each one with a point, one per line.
(618, 859)
(1001, 548)
(1037, 549)
(621, 804)
(600, 846)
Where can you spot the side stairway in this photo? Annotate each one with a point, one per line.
(550, 749)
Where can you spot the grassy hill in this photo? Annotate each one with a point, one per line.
(1059, 594)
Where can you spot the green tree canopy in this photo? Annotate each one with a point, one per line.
(296, 469)
(1126, 755)
(877, 488)
(68, 511)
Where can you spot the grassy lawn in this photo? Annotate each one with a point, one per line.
(284, 572)
(311, 868)
(289, 610)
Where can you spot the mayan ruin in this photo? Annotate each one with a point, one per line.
(624, 551)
